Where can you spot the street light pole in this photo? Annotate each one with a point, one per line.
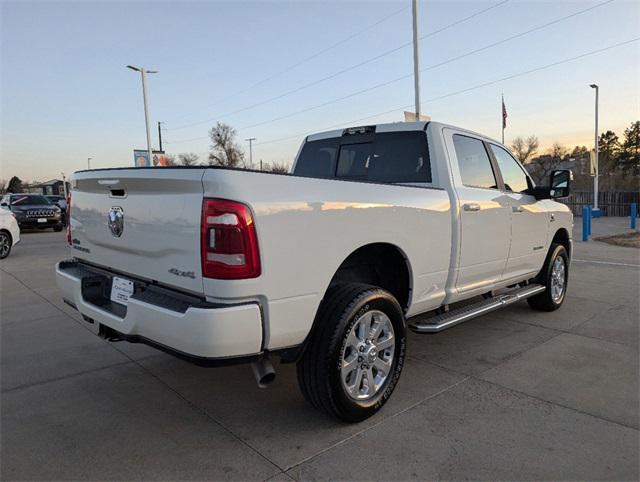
(251, 139)
(143, 73)
(596, 210)
(89, 162)
(64, 185)
(416, 59)
(160, 135)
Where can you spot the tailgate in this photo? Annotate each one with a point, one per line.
(142, 222)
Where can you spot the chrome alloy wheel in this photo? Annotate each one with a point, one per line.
(558, 279)
(5, 245)
(367, 356)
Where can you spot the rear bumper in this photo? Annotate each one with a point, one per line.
(199, 331)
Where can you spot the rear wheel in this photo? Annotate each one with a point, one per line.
(554, 275)
(5, 244)
(355, 355)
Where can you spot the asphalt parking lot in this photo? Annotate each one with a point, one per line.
(515, 395)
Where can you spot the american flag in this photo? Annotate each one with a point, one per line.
(504, 114)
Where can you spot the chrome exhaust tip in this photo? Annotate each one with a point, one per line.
(263, 371)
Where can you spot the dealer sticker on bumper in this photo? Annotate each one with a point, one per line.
(121, 290)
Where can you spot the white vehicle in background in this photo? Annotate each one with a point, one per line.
(9, 232)
(377, 230)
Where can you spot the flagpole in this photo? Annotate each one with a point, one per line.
(502, 117)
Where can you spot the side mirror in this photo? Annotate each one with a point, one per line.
(560, 185)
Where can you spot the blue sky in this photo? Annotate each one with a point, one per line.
(66, 94)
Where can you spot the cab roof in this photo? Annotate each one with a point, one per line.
(394, 127)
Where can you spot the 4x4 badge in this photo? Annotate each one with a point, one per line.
(116, 221)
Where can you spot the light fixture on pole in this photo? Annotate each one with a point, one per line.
(251, 139)
(596, 211)
(143, 73)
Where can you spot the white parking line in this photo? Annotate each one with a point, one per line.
(606, 262)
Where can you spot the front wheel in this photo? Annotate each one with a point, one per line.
(554, 276)
(57, 229)
(5, 244)
(355, 355)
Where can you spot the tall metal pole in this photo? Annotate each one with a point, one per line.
(595, 178)
(160, 135)
(146, 111)
(416, 59)
(251, 139)
(89, 162)
(64, 185)
(143, 73)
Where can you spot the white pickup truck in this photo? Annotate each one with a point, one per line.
(377, 230)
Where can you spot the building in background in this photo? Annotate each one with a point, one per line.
(54, 187)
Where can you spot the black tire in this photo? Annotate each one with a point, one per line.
(6, 243)
(57, 229)
(545, 301)
(319, 373)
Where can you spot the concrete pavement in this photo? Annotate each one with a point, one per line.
(516, 394)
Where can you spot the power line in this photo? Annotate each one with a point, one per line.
(312, 56)
(430, 67)
(434, 66)
(462, 91)
(342, 71)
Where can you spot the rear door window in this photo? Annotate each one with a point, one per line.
(474, 162)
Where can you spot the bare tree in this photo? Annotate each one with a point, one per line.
(524, 149)
(225, 151)
(188, 158)
(279, 167)
(540, 167)
(171, 161)
(557, 151)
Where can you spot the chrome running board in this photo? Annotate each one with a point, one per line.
(434, 324)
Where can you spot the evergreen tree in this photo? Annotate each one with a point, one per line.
(609, 152)
(630, 151)
(15, 184)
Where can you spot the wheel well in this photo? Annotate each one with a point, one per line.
(378, 264)
(562, 237)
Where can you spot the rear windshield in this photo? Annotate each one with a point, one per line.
(28, 199)
(388, 157)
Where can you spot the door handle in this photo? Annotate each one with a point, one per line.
(471, 207)
(516, 209)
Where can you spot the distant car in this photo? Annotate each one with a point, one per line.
(9, 232)
(33, 211)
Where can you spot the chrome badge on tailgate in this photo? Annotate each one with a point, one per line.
(116, 221)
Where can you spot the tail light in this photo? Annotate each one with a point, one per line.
(229, 244)
(68, 218)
